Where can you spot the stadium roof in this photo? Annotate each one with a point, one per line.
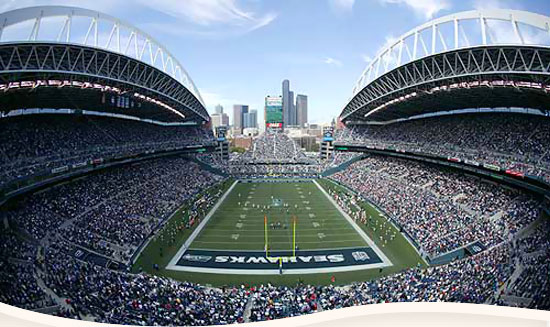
(465, 60)
(75, 44)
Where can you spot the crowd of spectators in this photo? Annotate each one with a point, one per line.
(441, 210)
(40, 143)
(267, 170)
(273, 154)
(532, 254)
(122, 298)
(273, 146)
(511, 141)
(113, 212)
(118, 297)
(18, 285)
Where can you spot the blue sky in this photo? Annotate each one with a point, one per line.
(238, 51)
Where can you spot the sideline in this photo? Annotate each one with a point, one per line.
(275, 271)
(359, 230)
(172, 264)
(386, 216)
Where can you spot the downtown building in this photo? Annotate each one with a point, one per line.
(239, 110)
(250, 119)
(294, 113)
(219, 118)
(301, 110)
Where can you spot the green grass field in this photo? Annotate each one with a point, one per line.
(161, 249)
(238, 224)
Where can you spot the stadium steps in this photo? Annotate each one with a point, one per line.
(61, 301)
(102, 130)
(530, 228)
(496, 216)
(517, 301)
(248, 309)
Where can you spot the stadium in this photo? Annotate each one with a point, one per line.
(118, 205)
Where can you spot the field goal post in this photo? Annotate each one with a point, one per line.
(266, 242)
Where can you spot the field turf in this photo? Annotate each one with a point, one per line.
(238, 224)
(161, 249)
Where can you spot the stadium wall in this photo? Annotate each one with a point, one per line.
(342, 166)
(496, 174)
(208, 167)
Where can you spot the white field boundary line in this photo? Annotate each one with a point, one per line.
(297, 271)
(387, 218)
(358, 229)
(172, 264)
(324, 249)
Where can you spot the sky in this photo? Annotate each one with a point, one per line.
(239, 51)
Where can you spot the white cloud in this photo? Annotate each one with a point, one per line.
(332, 61)
(390, 40)
(342, 5)
(426, 8)
(211, 99)
(201, 17)
(210, 15)
(496, 4)
(366, 58)
(100, 5)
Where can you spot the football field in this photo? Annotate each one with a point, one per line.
(296, 213)
(227, 245)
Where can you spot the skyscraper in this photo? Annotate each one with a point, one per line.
(250, 119)
(219, 119)
(238, 116)
(218, 109)
(225, 119)
(291, 109)
(301, 110)
(286, 102)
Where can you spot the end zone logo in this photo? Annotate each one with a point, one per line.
(197, 258)
(258, 259)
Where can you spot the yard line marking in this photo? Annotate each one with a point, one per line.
(224, 231)
(199, 228)
(286, 243)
